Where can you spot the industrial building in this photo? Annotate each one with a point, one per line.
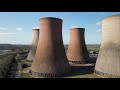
(35, 37)
(77, 52)
(50, 58)
(108, 61)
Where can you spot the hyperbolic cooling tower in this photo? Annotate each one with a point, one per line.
(35, 37)
(77, 52)
(108, 61)
(50, 58)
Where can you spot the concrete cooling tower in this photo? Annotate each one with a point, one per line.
(77, 52)
(50, 58)
(108, 61)
(35, 37)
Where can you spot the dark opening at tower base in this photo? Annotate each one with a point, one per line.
(102, 74)
(82, 62)
(48, 75)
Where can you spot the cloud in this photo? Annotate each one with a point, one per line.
(99, 30)
(75, 26)
(19, 29)
(98, 23)
(3, 28)
(3, 34)
(35, 28)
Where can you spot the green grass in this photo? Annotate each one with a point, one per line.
(93, 47)
(25, 75)
(84, 76)
(25, 62)
(24, 69)
(77, 76)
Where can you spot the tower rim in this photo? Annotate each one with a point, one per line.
(35, 28)
(107, 17)
(52, 18)
(78, 29)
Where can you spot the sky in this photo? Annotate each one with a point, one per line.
(16, 27)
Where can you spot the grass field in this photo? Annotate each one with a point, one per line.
(93, 47)
(25, 62)
(76, 76)
(84, 76)
(25, 75)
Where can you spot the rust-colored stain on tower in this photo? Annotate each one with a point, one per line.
(108, 61)
(35, 37)
(77, 52)
(50, 58)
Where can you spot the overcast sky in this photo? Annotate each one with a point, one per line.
(16, 27)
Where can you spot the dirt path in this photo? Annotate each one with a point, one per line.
(18, 71)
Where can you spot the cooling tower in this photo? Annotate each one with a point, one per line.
(50, 58)
(108, 61)
(77, 52)
(35, 37)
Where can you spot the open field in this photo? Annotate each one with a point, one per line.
(93, 47)
(25, 75)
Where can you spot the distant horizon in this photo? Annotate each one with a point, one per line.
(16, 27)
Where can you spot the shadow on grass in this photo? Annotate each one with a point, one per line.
(81, 70)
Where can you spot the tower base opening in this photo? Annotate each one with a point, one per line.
(82, 62)
(102, 74)
(48, 75)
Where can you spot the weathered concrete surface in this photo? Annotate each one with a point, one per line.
(50, 58)
(35, 37)
(108, 61)
(77, 50)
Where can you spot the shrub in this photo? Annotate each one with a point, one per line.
(5, 63)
